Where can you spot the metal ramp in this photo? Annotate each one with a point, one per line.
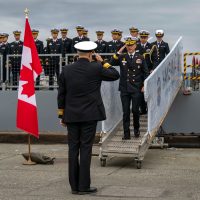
(113, 145)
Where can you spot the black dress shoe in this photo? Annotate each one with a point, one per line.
(144, 112)
(137, 133)
(74, 191)
(88, 191)
(126, 138)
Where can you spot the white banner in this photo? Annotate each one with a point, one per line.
(161, 87)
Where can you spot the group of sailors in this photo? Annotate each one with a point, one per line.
(152, 52)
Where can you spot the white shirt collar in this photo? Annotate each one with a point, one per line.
(131, 54)
(144, 44)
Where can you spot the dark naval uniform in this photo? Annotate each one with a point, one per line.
(15, 61)
(163, 50)
(53, 47)
(40, 49)
(77, 40)
(3, 53)
(80, 107)
(66, 48)
(149, 52)
(114, 46)
(101, 46)
(133, 71)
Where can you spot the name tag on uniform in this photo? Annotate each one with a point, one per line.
(138, 61)
(76, 41)
(110, 45)
(50, 44)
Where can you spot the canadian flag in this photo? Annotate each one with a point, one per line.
(27, 119)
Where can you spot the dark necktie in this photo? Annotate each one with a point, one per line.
(131, 58)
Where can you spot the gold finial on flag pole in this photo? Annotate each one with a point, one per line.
(26, 12)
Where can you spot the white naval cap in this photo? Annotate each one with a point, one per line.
(86, 46)
(159, 32)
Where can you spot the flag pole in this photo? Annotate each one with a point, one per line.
(29, 161)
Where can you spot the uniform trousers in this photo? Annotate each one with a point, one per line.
(126, 99)
(81, 136)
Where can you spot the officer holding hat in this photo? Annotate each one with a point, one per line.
(133, 71)
(79, 38)
(163, 47)
(66, 44)
(148, 50)
(15, 61)
(80, 108)
(101, 44)
(54, 46)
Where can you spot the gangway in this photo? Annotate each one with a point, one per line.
(161, 88)
(112, 144)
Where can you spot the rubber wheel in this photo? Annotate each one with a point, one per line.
(139, 164)
(103, 162)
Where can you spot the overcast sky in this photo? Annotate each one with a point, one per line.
(176, 17)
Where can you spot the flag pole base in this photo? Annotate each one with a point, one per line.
(29, 162)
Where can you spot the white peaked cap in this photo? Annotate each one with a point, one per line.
(85, 46)
(159, 32)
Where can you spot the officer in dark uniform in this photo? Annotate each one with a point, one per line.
(149, 52)
(101, 44)
(133, 71)
(15, 61)
(79, 38)
(6, 52)
(114, 45)
(80, 107)
(40, 49)
(45, 63)
(2, 54)
(66, 45)
(163, 47)
(54, 46)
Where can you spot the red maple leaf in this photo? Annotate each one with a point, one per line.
(27, 75)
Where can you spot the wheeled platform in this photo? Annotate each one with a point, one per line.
(113, 145)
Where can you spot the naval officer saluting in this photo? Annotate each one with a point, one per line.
(133, 71)
(80, 108)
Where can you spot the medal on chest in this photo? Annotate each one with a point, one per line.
(124, 62)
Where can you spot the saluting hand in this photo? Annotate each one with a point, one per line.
(98, 57)
(121, 49)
